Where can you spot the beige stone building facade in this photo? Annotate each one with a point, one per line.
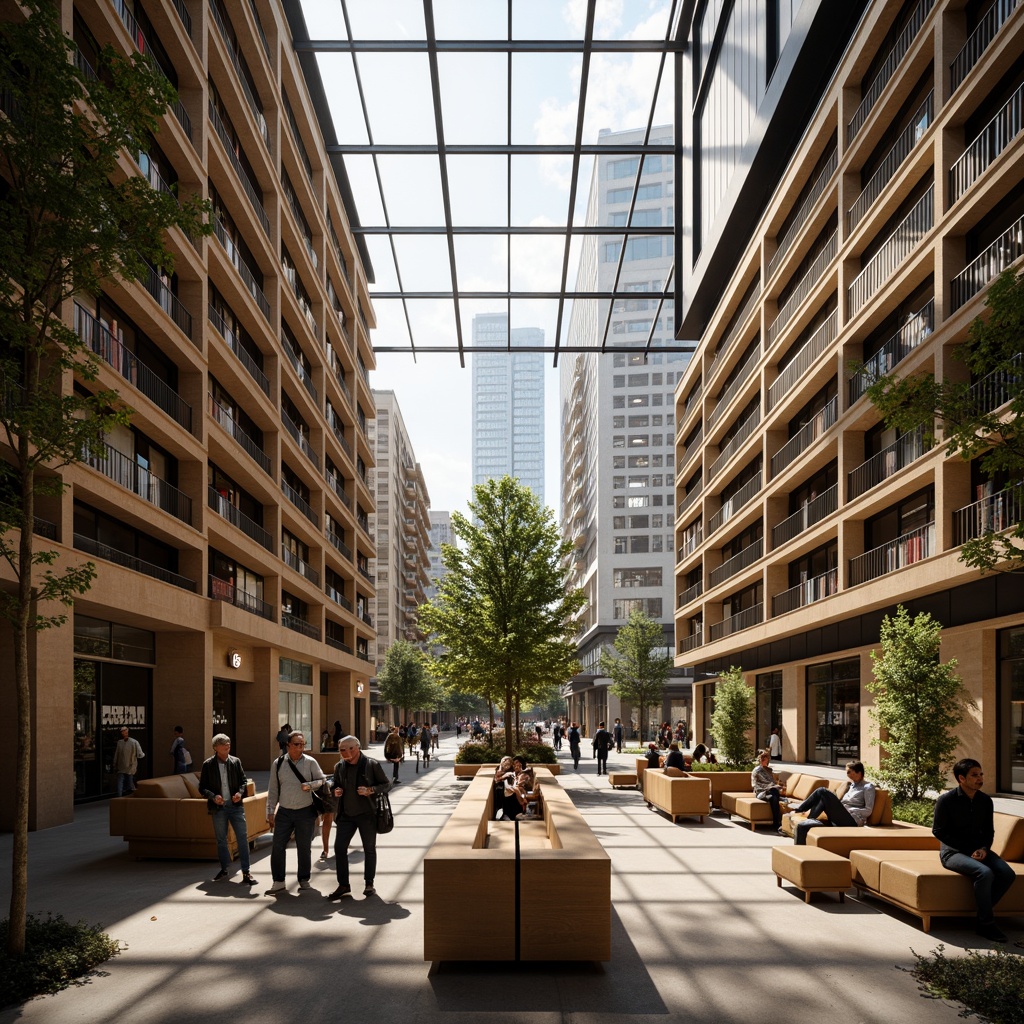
(800, 519)
(230, 522)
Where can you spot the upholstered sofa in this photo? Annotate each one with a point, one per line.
(167, 817)
(723, 782)
(677, 793)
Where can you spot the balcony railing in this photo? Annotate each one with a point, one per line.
(806, 516)
(339, 489)
(729, 393)
(130, 475)
(895, 554)
(736, 442)
(692, 449)
(337, 597)
(809, 352)
(690, 594)
(908, 139)
(365, 573)
(300, 371)
(800, 217)
(892, 61)
(299, 625)
(814, 589)
(293, 561)
(916, 328)
(979, 40)
(247, 276)
(213, 315)
(223, 590)
(732, 505)
(362, 655)
(691, 540)
(693, 397)
(44, 528)
(893, 252)
(747, 557)
(243, 178)
(691, 642)
(338, 645)
(806, 285)
(167, 300)
(300, 502)
(300, 439)
(1006, 249)
(109, 554)
(741, 620)
(996, 388)
(236, 517)
(109, 348)
(805, 436)
(987, 145)
(186, 18)
(251, 448)
(291, 275)
(739, 321)
(902, 452)
(991, 514)
(254, 107)
(338, 543)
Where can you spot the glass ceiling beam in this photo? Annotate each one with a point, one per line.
(489, 46)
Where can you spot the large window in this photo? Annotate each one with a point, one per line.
(1010, 776)
(833, 711)
(768, 688)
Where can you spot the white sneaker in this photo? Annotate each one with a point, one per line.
(275, 888)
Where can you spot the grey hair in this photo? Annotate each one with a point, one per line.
(219, 739)
(348, 741)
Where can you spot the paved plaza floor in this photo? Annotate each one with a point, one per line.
(700, 931)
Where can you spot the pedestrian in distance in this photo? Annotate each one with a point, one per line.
(127, 755)
(182, 758)
(573, 737)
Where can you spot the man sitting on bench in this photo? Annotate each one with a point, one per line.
(854, 809)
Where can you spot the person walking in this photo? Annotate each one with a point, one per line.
(293, 777)
(393, 750)
(425, 745)
(617, 733)
(282, 737)
(182, 758)
(222, 781)
(356, 782)
(435, 736)
(574, 745)
(127, 755)
(602, 744)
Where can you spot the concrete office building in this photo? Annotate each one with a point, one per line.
(440, 533)
(508, 403)
(229, 523)
(618, 432)
(801, 520)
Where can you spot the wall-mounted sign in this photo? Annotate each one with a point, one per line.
(234, 659)
(359, 687)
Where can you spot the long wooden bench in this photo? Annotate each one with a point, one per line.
(557, 861)
(469, 771)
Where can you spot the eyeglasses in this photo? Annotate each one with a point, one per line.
(297, 743)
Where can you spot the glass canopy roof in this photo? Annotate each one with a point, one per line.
(468, 131)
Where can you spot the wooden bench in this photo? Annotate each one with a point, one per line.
(469, 771)
(557, 861)
(618, 779)
(812, 870)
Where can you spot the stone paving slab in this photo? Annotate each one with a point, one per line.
(700, 932)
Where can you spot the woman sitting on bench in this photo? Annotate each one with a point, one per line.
(506, 802)
(525, 787)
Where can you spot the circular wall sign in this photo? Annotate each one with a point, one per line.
(234, 659)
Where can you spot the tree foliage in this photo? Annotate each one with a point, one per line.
(502, 611)
(403, 680)
(979, 417)
(733, 717)
(73, 214)
(639, 666)
(919, 703)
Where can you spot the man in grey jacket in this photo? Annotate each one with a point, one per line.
(854, 809)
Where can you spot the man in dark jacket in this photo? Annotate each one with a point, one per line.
(222, 781)
(618, 732)
(357, 781)
(602, 744)
(964, 826)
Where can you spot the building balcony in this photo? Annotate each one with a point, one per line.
(220, 504)
(893, 555)
(300, 439)
(805, 437)
(300, 503)
(893, 253)
(991, 514)
(691, 642)
(251, 193)
(109, 348)
(167, 300)
(735, 443)
(807, 516)
(996, 388)
(365, 573)
(298, 625)
(247, 276)
(1006, 249)
(337, 597)
(43, 528)
(692, 539)
(238, 349)
(186, 18)
(688, 501)
(734, 388)
(693, 448)
(979, 40)
(249, 446)
(132, 477)
(224, 590)
(815, 589)
(889, 66)
(338, 645)
(337, 543)
(803, 288)
(291, 275)
(986, 147)
(741, 620)
(917, 327)
(293, 561)
(739, 322)
(809, 352)
(731, 566)
(733, 504)
(300, 371)
(800, 217)
(122, 558)
(901, 453)
(892, 162)
(690, 594)
(339, 489)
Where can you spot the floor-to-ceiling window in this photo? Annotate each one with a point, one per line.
(224, 709)
(1010, 774)
(768, 687)
(833, 711)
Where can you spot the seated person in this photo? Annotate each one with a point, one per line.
(675, 757)
(525, 787)
(765, 788)
(700, 754)
(506, 804)
(854, 809)
(653, 757)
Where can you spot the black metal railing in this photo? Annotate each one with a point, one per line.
(249, 446)
(915, 329)
(238, 349)
(300, 502)
(990, 514)
(799, 219)
(806, 516)
(740, 561)
(243, 178)
(247, 276)
(979, 40)
(128, 561)
(1006, 249)
(815, 589)
(902, 452)
(298, 625)
(168, 301)
(893, 555)
(220, 504)
(130, 475)
(805, 436)
(811, 349)
(224, 590)
(734, 623)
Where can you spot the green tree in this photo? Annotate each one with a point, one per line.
(640, 666)
(919, 703)
(502, 611)
(733, 717)
(71, 217)
(981, 417)
(403, 680)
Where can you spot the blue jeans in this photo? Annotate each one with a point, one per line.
(301, 823)
(125, 783)
(992, 877)
(346, 828)
(233, 814)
